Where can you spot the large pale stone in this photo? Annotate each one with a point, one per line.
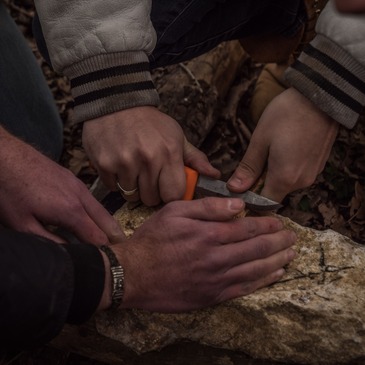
(315, 315)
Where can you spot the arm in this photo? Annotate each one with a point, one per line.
(44, 285)
(103, 47)
(188, 255)
(331, 70)
(295, 134)
(36, 193)
(195, 254)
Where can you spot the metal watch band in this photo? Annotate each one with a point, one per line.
(117, 272)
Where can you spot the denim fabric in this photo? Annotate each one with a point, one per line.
(27, 107)
(188, 28)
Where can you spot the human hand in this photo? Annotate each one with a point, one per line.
(193, 254)
(143, 148)
(36, 192)
(293, 139)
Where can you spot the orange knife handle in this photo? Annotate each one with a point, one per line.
(191, 181)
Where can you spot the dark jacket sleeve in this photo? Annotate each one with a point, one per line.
(43, 286)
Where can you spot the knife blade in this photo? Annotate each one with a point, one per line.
(200, 185)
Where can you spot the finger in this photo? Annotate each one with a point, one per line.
(149, 191)
(108, 179)
(209, 209)
(172, 182)
(245, 288)
(101, 218)
(259, 247)
(239, 232)
(258, 269)
(273, 190)
(85, 229)
(249, 169)
(127, 184)
(197, 160)
(37, 228)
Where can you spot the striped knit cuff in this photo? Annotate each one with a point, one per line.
(108, 83)
(331, 78)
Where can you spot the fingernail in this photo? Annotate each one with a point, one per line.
(280, 273)
(293, 236)
(236, 204)
(291, 254)
(235, 182)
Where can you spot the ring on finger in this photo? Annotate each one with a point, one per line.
(126, 192)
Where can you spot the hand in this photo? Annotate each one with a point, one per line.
(36, 192)
(193, 254)
(143, 148)
(294, 139)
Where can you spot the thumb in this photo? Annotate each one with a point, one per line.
(197, 160)
(249, 169)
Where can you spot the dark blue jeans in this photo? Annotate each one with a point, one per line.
(188, 28)
(27, 108)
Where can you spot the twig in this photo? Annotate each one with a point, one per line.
(21, 11)
(244, 129)
(188, 71)
(234, 97)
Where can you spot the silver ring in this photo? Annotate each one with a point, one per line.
(126, 192)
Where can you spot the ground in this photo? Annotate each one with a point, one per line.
(335, 201)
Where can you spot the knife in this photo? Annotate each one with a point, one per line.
(200, 185)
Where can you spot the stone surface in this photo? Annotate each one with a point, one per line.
(314, 315)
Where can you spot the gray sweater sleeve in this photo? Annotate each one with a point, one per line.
(102, 46)
(331, 69)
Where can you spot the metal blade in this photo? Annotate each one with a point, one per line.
(207, 186)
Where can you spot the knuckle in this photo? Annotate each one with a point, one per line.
(247, 288)
(104, 163)
(246, 167)
(262, 246)
(257, 271)
(73, 207)
(210, 204)
(250, 227)
(147, 155)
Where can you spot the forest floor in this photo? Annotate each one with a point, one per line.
(335, 201)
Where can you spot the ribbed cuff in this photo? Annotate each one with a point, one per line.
(89, 277)
(331, 78)
(108, 83)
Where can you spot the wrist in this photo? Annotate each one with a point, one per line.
(107, 83)
(114, 280)
(106, 298)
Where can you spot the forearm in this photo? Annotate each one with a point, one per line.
(45, 285)
(331, 70)
(105, 54)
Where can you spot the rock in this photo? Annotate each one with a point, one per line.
(314, 315)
